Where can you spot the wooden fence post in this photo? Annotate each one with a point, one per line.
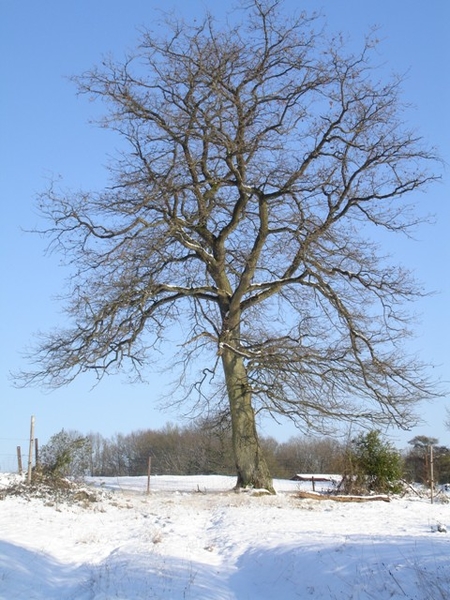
(36, 452)
(30, 453)
(149, 469)
(19, 460)
(432, 473)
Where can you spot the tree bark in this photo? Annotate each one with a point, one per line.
(252, 470)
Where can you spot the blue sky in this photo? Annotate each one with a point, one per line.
(45, 131)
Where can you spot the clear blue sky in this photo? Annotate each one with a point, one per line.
(45, 131)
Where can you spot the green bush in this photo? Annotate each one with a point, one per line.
(67, 454)
(374, 465)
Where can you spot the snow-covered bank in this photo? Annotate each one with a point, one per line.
(193, 538)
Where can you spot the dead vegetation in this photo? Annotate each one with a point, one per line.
(53, 490)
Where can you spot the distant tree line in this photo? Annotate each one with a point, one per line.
(206, 448)
(202, 448)
(417, 461)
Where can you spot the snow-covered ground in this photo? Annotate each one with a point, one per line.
(194, 538)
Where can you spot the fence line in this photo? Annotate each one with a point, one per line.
(8, 463)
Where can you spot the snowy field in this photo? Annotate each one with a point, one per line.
(194, 538)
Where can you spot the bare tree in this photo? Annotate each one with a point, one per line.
(311, 455)
(261, 159)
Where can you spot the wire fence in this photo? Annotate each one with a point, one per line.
(9, 457)
(15, 462)
(8, 463)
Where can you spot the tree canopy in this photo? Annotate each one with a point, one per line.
(259, 160)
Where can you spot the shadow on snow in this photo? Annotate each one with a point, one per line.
(364, 568)
(37, 576)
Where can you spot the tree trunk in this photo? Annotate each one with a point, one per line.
(252, 470)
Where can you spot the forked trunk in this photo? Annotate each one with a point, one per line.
(252, 470)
